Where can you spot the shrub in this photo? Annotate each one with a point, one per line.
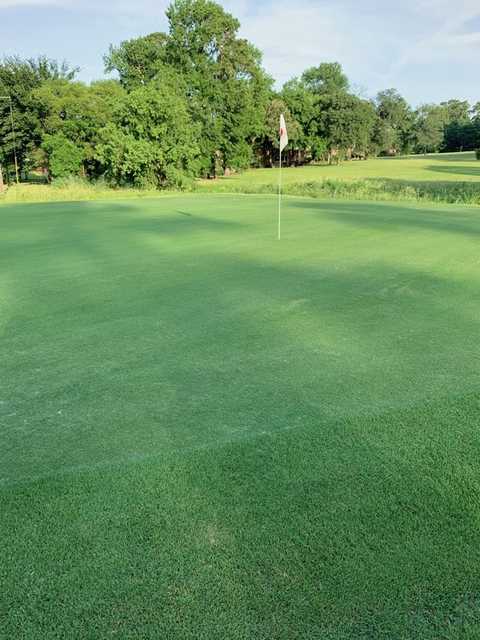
(64, 157)
(477, 154)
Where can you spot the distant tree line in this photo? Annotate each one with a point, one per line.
(196, 102)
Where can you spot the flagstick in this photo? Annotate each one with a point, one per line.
(280, 197)
(282, 143)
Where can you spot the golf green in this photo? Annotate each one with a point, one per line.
(209, 433)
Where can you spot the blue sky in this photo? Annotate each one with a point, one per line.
(428, 49)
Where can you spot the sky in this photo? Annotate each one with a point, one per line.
(428, 49)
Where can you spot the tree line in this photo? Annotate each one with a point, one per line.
(196, 102)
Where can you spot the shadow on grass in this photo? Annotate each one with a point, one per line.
(180, 224)
(465, 156)
(117, 304)
(290, 444)
(463, 170)
(380, 216)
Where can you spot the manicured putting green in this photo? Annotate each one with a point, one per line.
(207, 433)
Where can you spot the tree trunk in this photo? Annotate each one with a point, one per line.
(2, 186)
(333, 156)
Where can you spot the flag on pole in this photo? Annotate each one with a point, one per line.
(283, 133)
(283, 144)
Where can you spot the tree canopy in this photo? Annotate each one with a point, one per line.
(195, 101)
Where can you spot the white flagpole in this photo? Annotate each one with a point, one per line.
(280, 196)
(282, 143)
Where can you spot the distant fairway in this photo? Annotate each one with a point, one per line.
(450, 167)
(452, 178)
(207, 433)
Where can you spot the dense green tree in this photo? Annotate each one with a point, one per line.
(383, 137)
(333, 122)
(458, 131)
(302, 104)
(137, 61)
(151, 140)
(77, 111)
(475, 114)
(195, 101)
(64, 158)
(456, 111)
(347, 123)
(18, 78)
(393, 133)
(459, 136)
(428, 128)
(226, 87)
(444, 127)
(327, 78)
(268, 144)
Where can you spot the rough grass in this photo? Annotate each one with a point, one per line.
(448, 178)
(444, 178)
(69, 191)
(379, 190)
(444, 167)
(207, 433)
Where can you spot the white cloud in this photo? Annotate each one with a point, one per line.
(6, 4)
(115, 7)
(445, 39)
(292, 38)
(379, 43)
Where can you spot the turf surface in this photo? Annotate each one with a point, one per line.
(437, 178)
(207, 433)
(435, 167)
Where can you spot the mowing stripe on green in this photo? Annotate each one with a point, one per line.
(207, 433)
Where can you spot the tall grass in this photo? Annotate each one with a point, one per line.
(69, 191)
(366, 189)
(385, 189)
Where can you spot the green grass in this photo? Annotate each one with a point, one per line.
(444, 167)
(452, 178)
(207, 433)
(69, 191)
(444, 178)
